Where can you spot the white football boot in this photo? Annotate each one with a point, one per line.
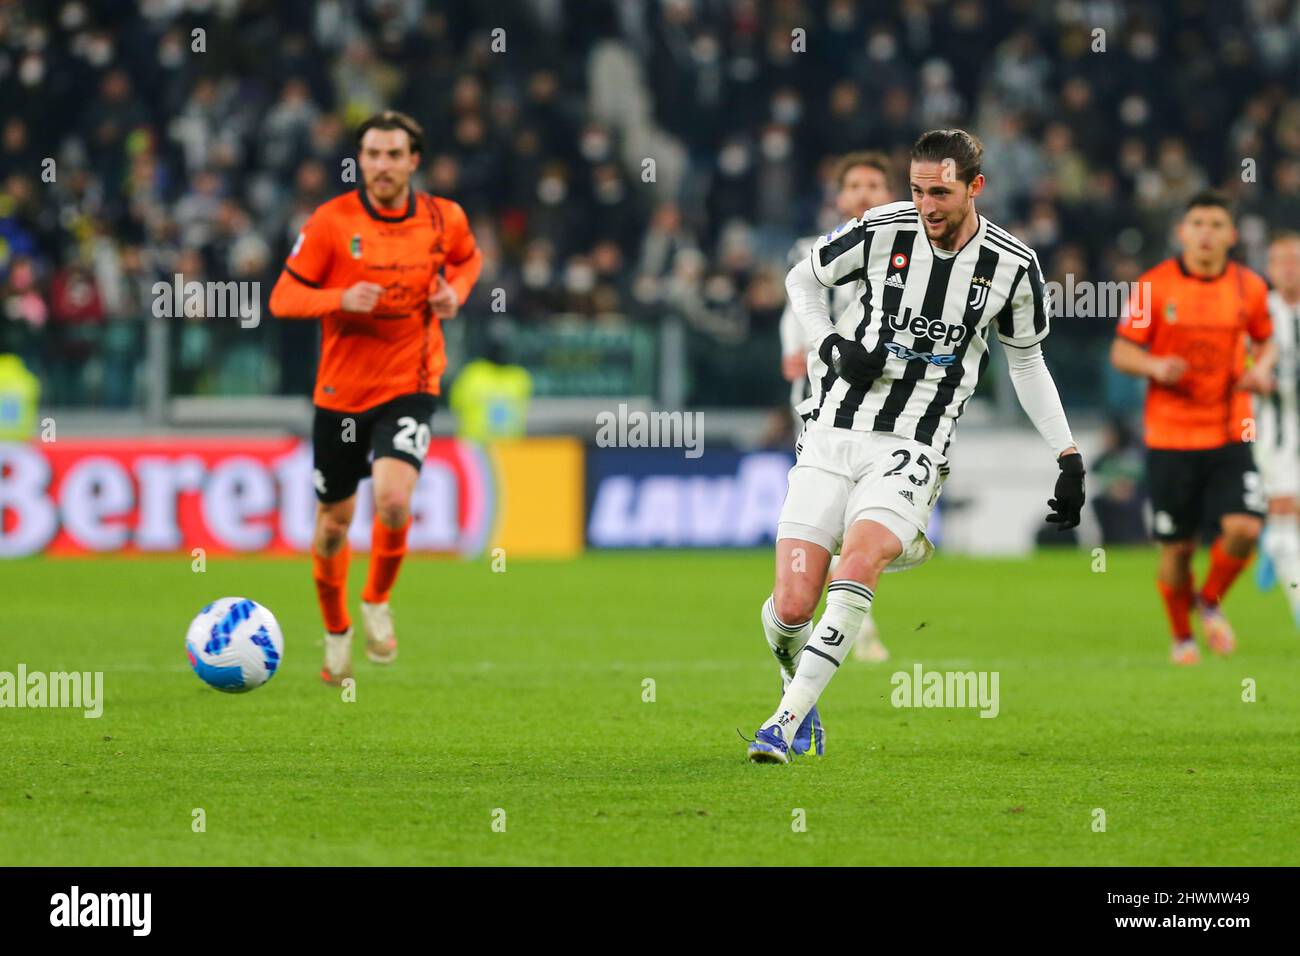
(381, 645)
(338, 657)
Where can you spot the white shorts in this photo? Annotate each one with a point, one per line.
(1275, 454)
(842, 476)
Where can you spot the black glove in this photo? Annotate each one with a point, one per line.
(856, 365)
(1069, 493)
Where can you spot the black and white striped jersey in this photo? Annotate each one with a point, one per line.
(931, 312)
(1286, 336)
(1279, 411)
(841, 296)
(805, 395)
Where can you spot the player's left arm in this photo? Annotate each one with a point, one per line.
(464, 262)
(1022, 325)
(1263, 350)
(300, 291)
(794, 349)
(835, 259)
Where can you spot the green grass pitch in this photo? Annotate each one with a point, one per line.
(523, 691)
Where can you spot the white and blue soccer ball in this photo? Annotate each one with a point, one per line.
(234, 645)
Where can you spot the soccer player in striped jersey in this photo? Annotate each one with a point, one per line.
(937, 280)
(381, 267)
(1277, 439)
(862, 181)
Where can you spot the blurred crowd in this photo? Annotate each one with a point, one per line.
(629, 158)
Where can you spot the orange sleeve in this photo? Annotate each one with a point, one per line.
(1139, 322)
(464, 260)
(298, 294)
(292, 299)
(1258, 322)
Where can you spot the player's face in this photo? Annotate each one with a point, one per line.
(1284, 265)
(1207, 233)
(864, 188)
(386, 163)
(943, 200)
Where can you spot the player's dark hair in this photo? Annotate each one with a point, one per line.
(1284, 235)
(392, 119)
(963, 149)
(1210, 197)
(872, 159)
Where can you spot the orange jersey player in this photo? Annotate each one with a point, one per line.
(1191, 338)
(381, 268)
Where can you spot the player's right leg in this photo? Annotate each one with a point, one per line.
(1177, 481)
(1281, 542)
(1279, 471)
(399, 440)
(1235, 496)
(1174, 580)
(787, 622)
(330, 554)
(787, 613)
(339, 449)
(393, 484)
(1229, 555)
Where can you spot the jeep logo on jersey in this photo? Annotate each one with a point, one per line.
(906, 354)
(939, 331)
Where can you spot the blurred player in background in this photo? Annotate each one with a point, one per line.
(938, 277)
(1277, 441)
(380, 267)
(862, 182)
(1189, 338)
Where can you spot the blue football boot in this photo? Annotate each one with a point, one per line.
(768, 746)
(811, 736)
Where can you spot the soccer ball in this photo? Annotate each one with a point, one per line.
(234, 645)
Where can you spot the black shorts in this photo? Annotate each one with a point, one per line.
(1192, 490)
(343, 443)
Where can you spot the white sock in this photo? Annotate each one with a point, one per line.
(868, 633)
(1282, 542)
(847, 603)
(784, 640)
